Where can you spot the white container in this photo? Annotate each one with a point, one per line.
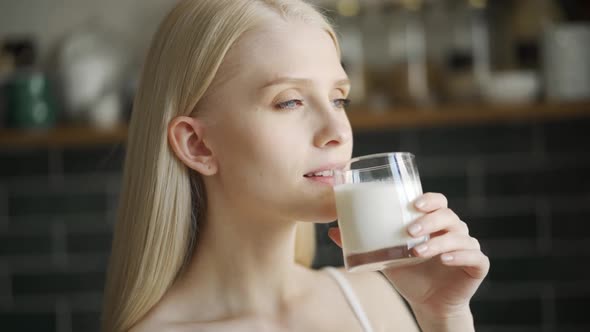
(512, 87)
(566, 62)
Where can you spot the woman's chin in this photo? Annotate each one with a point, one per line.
(318, 219)
(316, 208)
(325, 221)
(328, 209)
(328, 214)
(322, 213)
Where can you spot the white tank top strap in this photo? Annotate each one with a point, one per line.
(351, 297)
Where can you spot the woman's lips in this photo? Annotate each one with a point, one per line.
(328, 180)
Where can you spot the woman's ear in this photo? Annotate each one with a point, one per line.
(185, 135)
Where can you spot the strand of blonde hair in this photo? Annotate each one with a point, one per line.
(158, 210)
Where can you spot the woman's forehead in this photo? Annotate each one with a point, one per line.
(289, 49)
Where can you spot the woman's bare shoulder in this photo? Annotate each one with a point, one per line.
(384, 305)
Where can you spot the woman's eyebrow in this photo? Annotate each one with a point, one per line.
(300, 81)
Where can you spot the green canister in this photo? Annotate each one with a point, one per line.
(30, 103)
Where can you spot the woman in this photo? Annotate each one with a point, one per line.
(240, 102)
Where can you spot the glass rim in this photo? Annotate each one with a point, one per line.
(382, 154)
(404, 156)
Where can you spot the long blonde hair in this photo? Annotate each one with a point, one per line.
(162, 201)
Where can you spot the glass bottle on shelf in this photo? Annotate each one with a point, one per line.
(480, 43)
(468, 54)
(352, 54)
(375, 22)
(416, 76)
(416, 59)
(399, 68)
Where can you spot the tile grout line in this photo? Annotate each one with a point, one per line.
(4, 216)
(82, 263)
(56, 169)
(543, 220)
(95, 183)
(475, 184)
(63, 314)
(6, 284)
(112, 193)
(538, 141)
(548, 308)
(59, 244)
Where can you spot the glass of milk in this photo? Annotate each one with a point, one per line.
(374, 202)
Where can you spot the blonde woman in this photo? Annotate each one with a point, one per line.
(240, 101)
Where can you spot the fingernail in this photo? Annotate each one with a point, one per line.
(420, 203)
(415, 229)
(447, 257)
(421, 248)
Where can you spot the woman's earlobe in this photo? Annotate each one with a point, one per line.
(209, 168)
(186, 139)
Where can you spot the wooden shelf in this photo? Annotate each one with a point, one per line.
(364, 120)
(361, 120)
(61, 137)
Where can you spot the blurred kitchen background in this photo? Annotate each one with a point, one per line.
(493, 97)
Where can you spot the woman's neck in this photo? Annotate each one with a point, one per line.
(241, 267)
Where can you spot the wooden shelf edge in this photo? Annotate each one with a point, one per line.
(62, 137)
(361, 120)
(364, 120)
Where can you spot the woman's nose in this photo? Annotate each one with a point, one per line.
(335, 130)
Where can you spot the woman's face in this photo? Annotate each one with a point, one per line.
(276, 115)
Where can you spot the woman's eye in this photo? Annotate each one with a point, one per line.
(295, 103)
(290, 104)
(341, 103)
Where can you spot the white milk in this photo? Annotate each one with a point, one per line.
(375, 215)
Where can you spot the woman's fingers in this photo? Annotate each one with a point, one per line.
(334, 234)
(443, 219)
(430, 202)
(474, 262)
(446, 243)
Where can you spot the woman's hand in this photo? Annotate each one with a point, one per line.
(440, 288)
